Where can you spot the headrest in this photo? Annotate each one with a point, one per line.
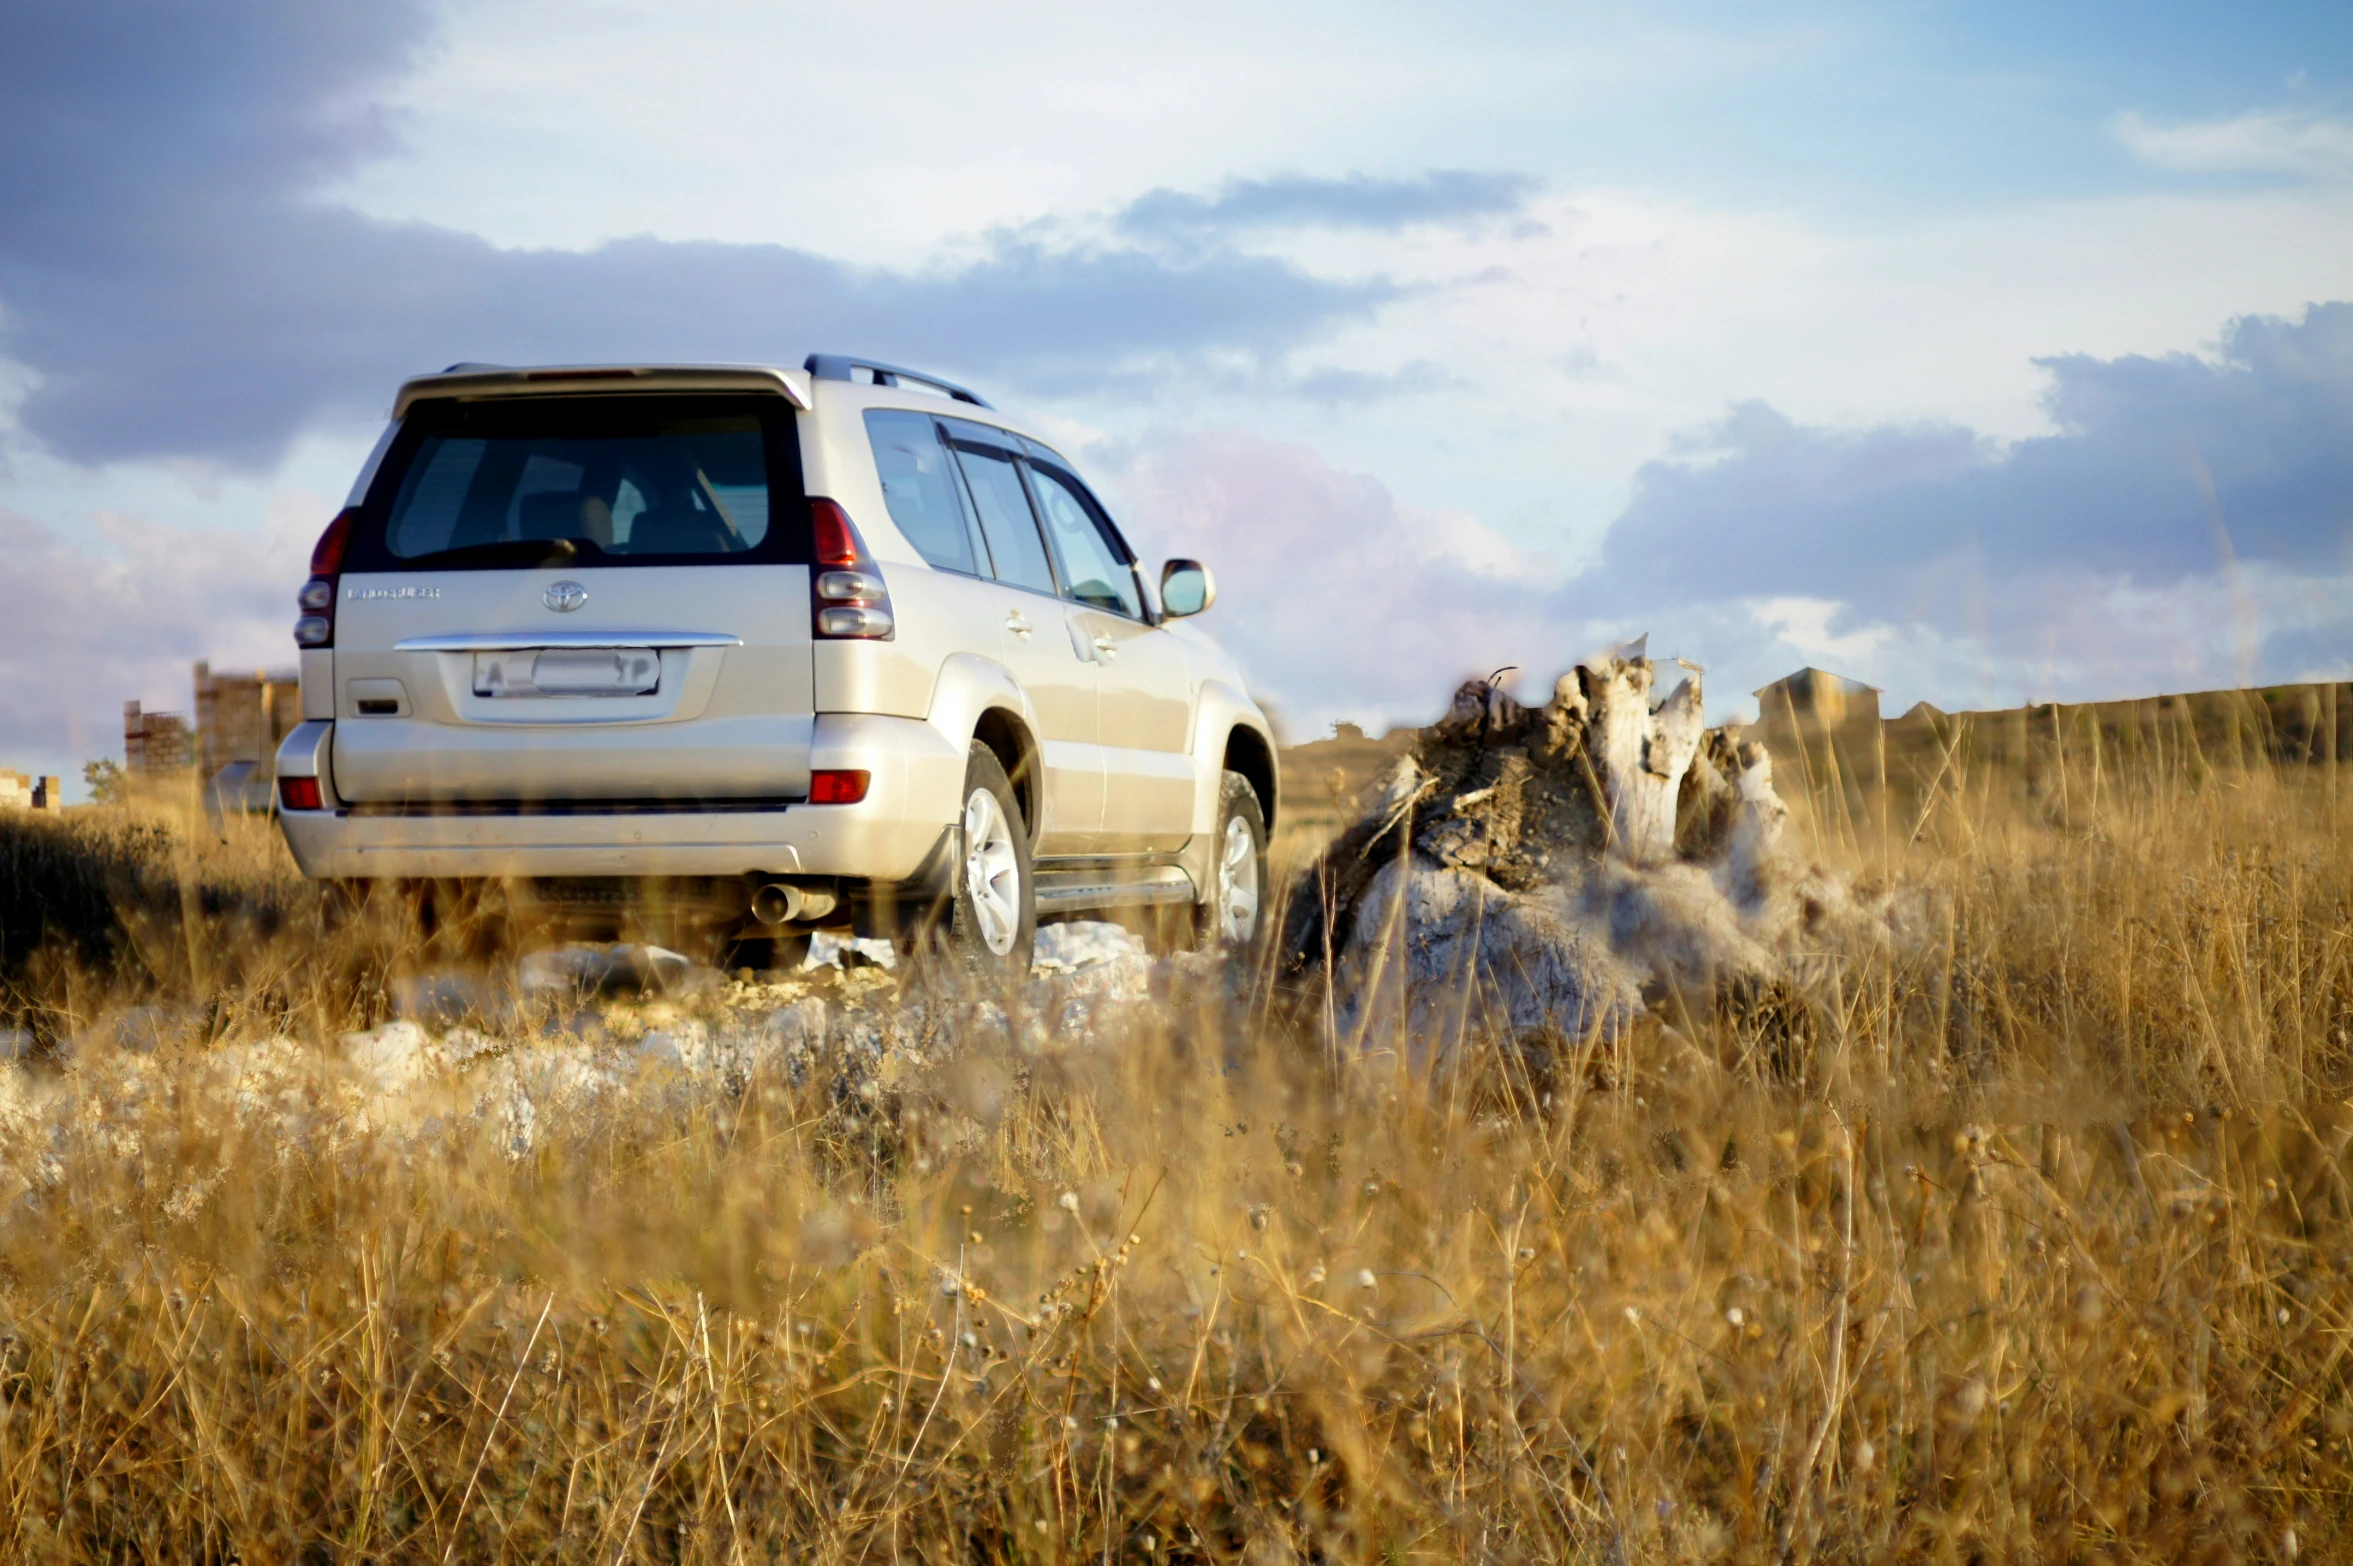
(552, 514)
(680, 530)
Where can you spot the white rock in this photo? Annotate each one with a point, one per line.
(1084, 943)
(826, 949)
(392, 1058)
(582, 969)
(799, 1025)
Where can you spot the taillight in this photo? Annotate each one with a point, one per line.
(316, 628)
(851, 604)
(834, 540)
(299, 794)
(834, 787)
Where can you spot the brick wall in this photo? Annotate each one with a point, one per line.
(242, 717)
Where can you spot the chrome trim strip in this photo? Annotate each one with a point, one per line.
(517, 641)
(440, 809)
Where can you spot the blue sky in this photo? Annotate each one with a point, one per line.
(1982, 352)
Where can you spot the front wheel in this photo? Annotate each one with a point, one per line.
(993, 922)
(1237, 895)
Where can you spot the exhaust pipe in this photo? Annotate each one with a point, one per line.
(781, 903)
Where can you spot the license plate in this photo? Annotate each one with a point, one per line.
(568, 671)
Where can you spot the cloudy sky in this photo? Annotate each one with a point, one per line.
(1984, 352)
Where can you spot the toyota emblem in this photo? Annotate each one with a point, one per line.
(564, 597)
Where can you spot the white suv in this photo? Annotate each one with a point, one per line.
(785, 650)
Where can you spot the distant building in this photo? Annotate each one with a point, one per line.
(22, 791)
(1819, 700)
(232, 747)
(156, 741)
(242, 717)
(1823, 728)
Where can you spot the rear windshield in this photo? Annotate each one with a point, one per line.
(586, 481)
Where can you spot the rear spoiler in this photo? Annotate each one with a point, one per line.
(498, 380)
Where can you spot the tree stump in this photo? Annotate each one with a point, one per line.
(1552, 870)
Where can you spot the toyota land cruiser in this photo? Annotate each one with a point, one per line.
(790, 649)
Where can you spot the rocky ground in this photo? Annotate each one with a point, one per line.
(565, 1037)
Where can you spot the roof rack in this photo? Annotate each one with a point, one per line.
(838, 367)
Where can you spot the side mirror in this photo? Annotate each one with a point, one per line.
(1186, 587)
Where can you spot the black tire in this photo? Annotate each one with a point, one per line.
(1238, 813)
(992, 924)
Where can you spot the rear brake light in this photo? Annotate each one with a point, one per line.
(835, 787)
(299, 794)
(326, 558)
(851, 601)
(316, 628)
(835, 540)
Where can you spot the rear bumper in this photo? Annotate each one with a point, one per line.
(917, 774)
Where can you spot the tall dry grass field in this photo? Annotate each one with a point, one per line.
(2031, 1243)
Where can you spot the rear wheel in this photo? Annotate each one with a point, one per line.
(993, 918)
(1237, 894)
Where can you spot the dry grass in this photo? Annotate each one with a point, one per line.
(2034, 1243)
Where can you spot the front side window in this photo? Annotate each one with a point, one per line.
(585, 481)
(1094, 572)
(1005, 519)
(919, 488)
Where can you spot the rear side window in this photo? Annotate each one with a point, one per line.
(919, 489)
(584, 481)
(998, 496)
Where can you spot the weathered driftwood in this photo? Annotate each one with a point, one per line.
(1540, 870)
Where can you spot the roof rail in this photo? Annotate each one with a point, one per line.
(837, 367)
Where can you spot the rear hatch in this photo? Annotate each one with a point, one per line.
(578, 602)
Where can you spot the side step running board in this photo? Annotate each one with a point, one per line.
(1068, 890)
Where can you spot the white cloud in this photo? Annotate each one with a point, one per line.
(2262, 141)
(122, 613)
(1692, 307)
(879, 133)
(1804, 625)
(1340, 602)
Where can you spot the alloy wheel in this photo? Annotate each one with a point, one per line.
(1237, 883)
(992, 872)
